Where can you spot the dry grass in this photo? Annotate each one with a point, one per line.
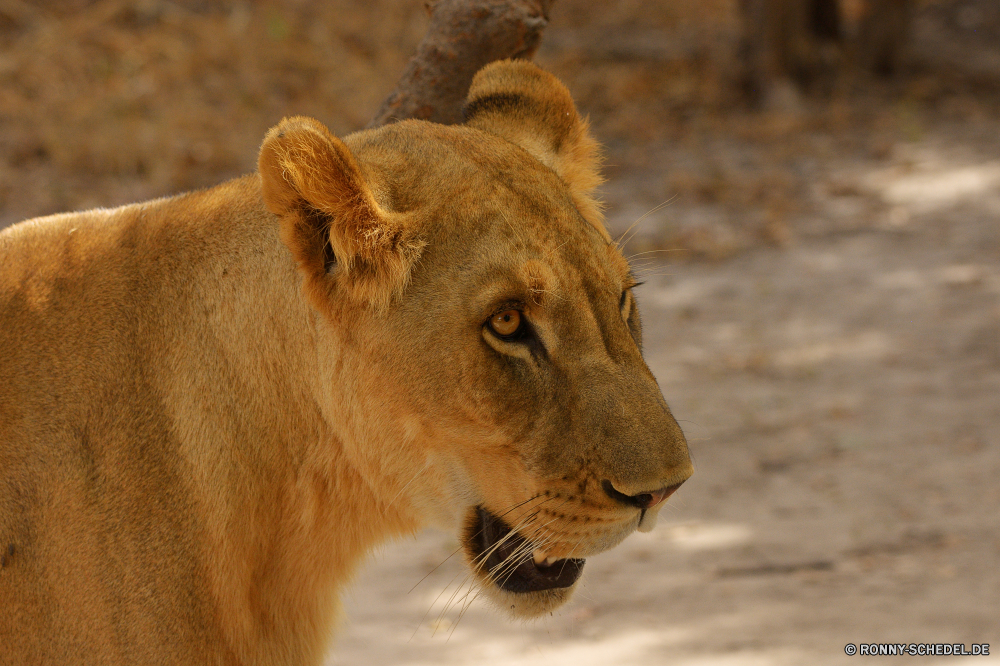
(114, 101)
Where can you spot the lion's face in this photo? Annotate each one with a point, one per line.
(548, 424)
(497, 383)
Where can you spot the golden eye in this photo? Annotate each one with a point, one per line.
(506, 323)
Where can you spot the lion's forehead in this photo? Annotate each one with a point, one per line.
(488, 203)
(591, 269)
(423, 165)
(545, 274)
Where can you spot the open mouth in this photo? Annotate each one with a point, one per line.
(508, 560)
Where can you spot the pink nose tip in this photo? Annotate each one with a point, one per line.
(640, 500)
(658, 496)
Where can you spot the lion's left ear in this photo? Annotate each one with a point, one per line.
(330, 220)
(521, 102)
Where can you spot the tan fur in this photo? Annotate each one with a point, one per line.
(213, 406)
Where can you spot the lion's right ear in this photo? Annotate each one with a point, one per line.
(329, 219)
(521, 102)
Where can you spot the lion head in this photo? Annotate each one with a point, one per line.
(479, 342)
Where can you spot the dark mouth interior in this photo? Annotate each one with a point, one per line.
(488, 534)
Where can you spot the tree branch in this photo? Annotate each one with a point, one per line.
(464, 35)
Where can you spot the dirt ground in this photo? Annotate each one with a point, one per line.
(821, 307)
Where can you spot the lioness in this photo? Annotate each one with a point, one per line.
(213, 406)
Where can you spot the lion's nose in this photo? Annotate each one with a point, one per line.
(640, 500)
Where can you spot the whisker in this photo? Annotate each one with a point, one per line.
(565, 560)
(645, 252)
(457, 550)
(469, 589)
(512, 561)
(486, 554)
(451, 599)
(385, 511)
(479, 590)
(512, 567)
(528, 546)
(622, 241)
(467, 576)
(453, 553)
(431, 606)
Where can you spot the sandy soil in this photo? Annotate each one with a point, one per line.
(822, 305)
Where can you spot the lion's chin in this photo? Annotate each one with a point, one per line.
(502, 562)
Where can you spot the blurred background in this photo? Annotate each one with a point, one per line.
(812, 190)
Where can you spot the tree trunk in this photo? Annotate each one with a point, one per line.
(791, 44)
(464, 35)
(787, 43)
(882, 38)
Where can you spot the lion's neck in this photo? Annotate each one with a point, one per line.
(288, 518)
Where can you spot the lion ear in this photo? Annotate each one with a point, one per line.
(519, 101)
(329, 218)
